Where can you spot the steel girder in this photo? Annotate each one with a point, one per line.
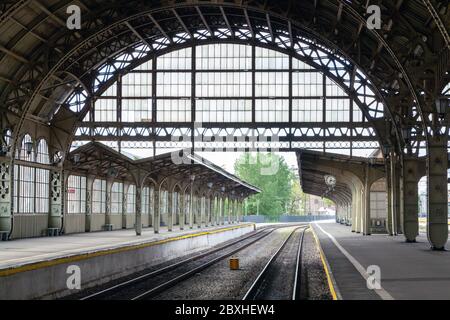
(38, 64)
(334, 67)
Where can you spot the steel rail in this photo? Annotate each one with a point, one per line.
(133, 281)
(170, 283)
(253, 291)
(298, 270)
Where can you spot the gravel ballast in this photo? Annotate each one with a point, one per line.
(219, 282)
(314, 279)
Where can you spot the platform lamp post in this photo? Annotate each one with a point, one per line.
(442, 104)
(29, 147)
(407, 133)
(191, 203)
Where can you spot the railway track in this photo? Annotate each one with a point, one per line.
(152, 283)
(272, 281)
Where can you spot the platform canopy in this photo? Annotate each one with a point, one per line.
(97, 159)
(332, 175)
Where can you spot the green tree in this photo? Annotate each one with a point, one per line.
(327, 202)
(298, 199)
(270, 173)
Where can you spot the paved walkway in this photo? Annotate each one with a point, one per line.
(25, 251)
(408, 270)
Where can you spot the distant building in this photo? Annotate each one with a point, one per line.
(318, 206)
(423, 194)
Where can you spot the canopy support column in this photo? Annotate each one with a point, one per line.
(366, 196)
(6, 178)
(138, 213)
(410, 199)
(156, 209)
(437, 228)
(170, 207)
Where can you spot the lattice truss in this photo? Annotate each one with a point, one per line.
(73, 69)
(301, 51)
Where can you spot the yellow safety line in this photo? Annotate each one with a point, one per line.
(43, 264)
(325, 266)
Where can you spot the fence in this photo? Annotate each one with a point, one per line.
(262, 218)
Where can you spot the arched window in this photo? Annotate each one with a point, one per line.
(31, 189)
(31, 185)
(145, 198)
(223, 89)
(116, 198)
(239, 84)
(131, 199)
(24, 189)
(76, 194)
(164, 204)
(378, 205)
(186, 206)
(42, 191)
(423, 198)
(99, 196)
(42, 155)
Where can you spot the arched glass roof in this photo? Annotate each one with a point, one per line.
(220, 85)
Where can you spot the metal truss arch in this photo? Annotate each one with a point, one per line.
(36, 94)
(341, 72)
(317, 19)
(339, 76)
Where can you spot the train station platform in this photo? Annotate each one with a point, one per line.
(40, 264)
(408, 271)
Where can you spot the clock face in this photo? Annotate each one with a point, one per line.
(330, 180)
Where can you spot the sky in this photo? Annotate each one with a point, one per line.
(226, 160)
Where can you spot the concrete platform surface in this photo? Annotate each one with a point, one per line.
(21, 252)
(407, 270)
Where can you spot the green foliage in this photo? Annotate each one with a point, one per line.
(276, 196)
(328, 202)
(298, 199)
